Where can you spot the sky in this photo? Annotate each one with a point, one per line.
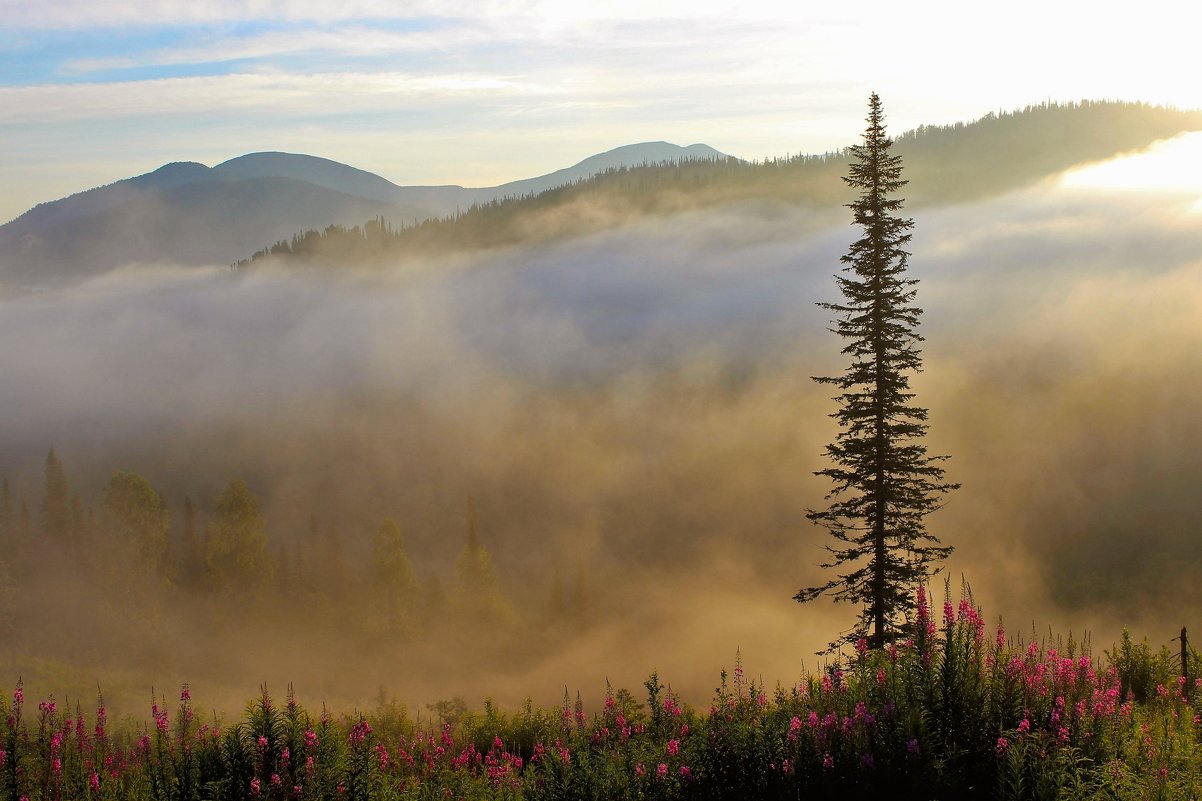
(480, 93)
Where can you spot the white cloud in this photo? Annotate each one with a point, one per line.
(355, 41)
(253, 93)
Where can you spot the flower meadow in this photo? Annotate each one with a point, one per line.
(960, 711)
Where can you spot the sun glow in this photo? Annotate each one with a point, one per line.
(1170, 167)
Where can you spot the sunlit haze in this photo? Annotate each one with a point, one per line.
(1174, 167)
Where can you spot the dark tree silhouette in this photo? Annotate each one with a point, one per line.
(884, 482)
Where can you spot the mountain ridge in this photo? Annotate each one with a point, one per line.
(181, 212)
(64, 239)
(943, 165)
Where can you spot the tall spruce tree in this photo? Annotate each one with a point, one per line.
(885, 484)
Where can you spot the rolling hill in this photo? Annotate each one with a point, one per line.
(186, 213)
(944, 165)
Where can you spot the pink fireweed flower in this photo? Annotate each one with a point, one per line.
(185, 694)
(949, 614)
(639, 770)
(661, 770)
(673, 747)
(256, 787)
(881, 677)
(861, 646)
(359, 732)
(1024, 726)
(686, 773)
(912, 746)
(160, 719)
(1003, 746)
(973, 615)
(18, 695)
(94, 782)
(262, 743)
(828, 762)
(1000, 639)
(794, 727)
(310, 739)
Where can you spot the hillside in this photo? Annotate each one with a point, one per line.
(944, 164)
(186, 213)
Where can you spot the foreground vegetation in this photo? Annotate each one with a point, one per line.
(957, 711)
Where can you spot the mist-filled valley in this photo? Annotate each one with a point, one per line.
(598, 451)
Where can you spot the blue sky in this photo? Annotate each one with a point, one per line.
(478, 93)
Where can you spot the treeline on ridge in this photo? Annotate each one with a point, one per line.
(945, 164)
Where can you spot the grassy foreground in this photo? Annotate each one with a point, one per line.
(958, 712)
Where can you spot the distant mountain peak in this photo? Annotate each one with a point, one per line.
(313, 169)
(623, 156)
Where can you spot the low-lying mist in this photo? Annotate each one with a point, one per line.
(633, 418)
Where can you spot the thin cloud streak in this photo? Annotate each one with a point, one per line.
(258, 94)
(353, 42)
